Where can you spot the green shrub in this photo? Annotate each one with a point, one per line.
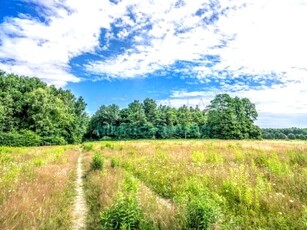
(114, 163)
(97, 162)
(124, 214)
(201, 213)
(87, 147)
(54, 140)
(109, 146)
(21, 138)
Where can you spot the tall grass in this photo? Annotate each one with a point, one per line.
(37, 187)
(223, 184)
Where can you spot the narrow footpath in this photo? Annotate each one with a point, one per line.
(80, 211)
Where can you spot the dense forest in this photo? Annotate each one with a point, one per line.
(286, 133)
(224, 118)
(32, 113)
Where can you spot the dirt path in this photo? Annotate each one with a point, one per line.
(79, 212)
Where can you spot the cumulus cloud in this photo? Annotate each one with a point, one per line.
(249, 37)
(29, 46)
(277, 106)
(248, 48)
(165, 32)
(270, 37)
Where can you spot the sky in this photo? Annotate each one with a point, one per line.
(174, 51)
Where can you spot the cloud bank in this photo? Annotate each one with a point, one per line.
(247, 48)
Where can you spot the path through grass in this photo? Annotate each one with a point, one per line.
(80, 211)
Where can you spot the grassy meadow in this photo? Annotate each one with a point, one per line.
(36, 187)
(151, 184)
(205, 184)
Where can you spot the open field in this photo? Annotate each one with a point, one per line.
(180, 184)
(37, 187)
(173, 184)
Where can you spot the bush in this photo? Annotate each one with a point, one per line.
(200, 213)
(105, 138)
(125, 213)
(87, 147)
(22, 138)
(114, 163)
(291, 136)
(97, 162)
(54, 140)
(109, 146)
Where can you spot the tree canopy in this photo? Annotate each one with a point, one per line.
(232, 118)
(224, 118)
(31, 108)
(286, 133)
(33, 113)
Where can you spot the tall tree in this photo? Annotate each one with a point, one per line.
(232, 118)
(30, 107)
(150, 109)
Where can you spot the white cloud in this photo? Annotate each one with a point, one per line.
(165, 33)
(263, 39)
(279, 106)
(270, 36)
(30, 47)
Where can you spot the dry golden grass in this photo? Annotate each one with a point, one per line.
(101, 188)
(162, 212)
(42, 197)
(258, 184)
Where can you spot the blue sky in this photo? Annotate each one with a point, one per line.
(174, 51)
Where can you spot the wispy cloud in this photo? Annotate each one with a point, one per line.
(256, 49)
(278, 106)
(166, 32)
(43, 48)
(250, 44)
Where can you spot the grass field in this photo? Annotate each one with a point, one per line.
(182, 184)
(174, 184)
(36, 187)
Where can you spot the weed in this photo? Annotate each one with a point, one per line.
(109, 146)
(213, 157)
(299, 158)
(114, 162)
(201, 214)
(197, 157)
(97, 162)
(277, 166)
(87, 147)
(125, 213)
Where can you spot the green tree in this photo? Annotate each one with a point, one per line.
(150, 109)
(232, 118)
(136, 114)
(31, 108)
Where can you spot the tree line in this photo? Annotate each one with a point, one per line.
(286, 133)
(224, 118)
(33, 113)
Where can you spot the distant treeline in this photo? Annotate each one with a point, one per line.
(286, 133)
(32, 113)
(224, 118)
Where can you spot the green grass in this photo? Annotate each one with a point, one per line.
(222, 184)
(36, 187)
(151, 184)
